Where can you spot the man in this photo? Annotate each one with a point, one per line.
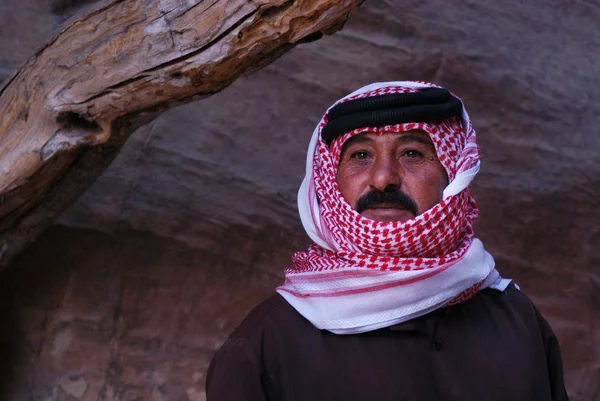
(396, 299)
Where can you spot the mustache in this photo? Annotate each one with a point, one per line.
(389, 196)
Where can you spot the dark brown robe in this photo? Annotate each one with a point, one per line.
(496, 346)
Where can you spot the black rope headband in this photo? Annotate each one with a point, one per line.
(431, 104)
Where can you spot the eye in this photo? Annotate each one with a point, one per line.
(412, 154)
(359, 154)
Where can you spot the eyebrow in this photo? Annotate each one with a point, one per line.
(358, 139)
(416, 138)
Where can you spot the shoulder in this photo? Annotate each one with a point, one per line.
(236, 371)
(517, 298)
(244, 345)
(266, 332)
(525, 302)
(512, 297)
(516, 305)
(272, 313)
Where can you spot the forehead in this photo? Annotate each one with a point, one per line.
(383, 136)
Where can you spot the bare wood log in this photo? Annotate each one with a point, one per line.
(67, 112)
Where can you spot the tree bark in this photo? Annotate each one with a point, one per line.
(67, 112)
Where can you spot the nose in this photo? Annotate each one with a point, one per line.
(386, 172)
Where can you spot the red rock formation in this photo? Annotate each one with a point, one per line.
(139, 282)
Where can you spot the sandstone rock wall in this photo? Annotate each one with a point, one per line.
(128, 296)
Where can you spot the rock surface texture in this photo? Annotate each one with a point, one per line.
(68, 111)
(130, 293)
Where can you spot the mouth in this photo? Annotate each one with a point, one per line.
(387, 212)
(385, 206)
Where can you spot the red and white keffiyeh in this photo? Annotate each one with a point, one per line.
(362, 275)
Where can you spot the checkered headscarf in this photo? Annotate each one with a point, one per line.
(360, 274)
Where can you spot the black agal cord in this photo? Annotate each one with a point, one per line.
(433, 104)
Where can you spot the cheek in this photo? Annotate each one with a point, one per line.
(349, 185)
(426, 187)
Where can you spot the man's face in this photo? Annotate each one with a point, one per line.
(391, 177)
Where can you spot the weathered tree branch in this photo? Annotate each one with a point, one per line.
(67, 112)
